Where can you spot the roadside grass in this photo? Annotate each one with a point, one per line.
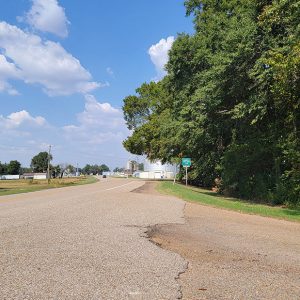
(9, 187)
(210, 198)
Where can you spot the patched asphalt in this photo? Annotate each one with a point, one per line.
(87, 242)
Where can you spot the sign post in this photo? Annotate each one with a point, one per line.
(186, 163)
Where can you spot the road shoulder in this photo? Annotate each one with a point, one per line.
(233, 255)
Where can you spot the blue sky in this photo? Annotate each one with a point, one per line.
(66, 66)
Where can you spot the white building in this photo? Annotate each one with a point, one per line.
(34, 175)
(40, 176)
(157, 170)
(131, 166)
(9, 177)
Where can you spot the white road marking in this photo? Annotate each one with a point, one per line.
(116, 187)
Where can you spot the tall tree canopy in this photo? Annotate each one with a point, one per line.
(230, 100)
(12, 168)
(39, 162)
(95, 169)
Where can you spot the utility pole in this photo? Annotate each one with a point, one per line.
(175, 171)
(186, 176)
(48, 169)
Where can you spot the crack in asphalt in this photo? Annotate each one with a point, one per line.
(148, 233)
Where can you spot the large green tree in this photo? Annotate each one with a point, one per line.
(39, 162)
(14, 167)
(3, 168)
(230, 100)
(95, 169)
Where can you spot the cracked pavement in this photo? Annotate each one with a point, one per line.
(87, 242)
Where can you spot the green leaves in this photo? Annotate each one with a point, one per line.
(230, 100)
(39, 162)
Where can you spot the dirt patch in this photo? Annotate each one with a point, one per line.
(234, 256)
(148, 188)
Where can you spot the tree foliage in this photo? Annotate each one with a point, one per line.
(230, 100)
(39, 162)
(12, 168)
(95, 169)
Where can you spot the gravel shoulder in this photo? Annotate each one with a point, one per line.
(233, 255)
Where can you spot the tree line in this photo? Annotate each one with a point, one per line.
(230, 100)
(39, 164)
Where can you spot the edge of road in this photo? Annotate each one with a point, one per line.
(149, 187)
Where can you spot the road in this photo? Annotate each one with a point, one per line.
(233, 255)
(87, 242)
(90, 242)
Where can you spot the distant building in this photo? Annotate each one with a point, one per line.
(157, 170)
(131, 167)
(40, 176)
(34, 175)
(9, 177)
(107, 173)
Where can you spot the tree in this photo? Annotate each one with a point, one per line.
(14, 167)
(39, 163)
(25, 170)
(56, 171)
(87, 170)
(70, 169)
(104, 168)
(230, 100)
(95, 169)
(3, 169)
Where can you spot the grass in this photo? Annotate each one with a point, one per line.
(210, 198)
(9, 187)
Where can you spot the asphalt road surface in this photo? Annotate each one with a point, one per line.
(90, 242)
(87, 242)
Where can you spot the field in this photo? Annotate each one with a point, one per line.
(207, 197)
(8, 187)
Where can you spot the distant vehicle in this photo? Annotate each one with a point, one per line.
(103, 176)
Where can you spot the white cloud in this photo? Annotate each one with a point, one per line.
(99, 114)
(6, 87)
(96, 137)
(7, 70)
(159, 54)
(48, 16)
(20, 118)
(98, 123)
(36, 61)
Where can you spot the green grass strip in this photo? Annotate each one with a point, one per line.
(210, 198)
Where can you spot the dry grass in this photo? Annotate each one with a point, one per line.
(8, 187)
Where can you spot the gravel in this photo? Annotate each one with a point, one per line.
(233, 255)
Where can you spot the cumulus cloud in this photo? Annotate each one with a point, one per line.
(96, 137)
(48, 16)
(20, 118)
(159, 54)
(36, 61)
(7, 70)
(98, 123)
(6, 87)
(99, 114)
